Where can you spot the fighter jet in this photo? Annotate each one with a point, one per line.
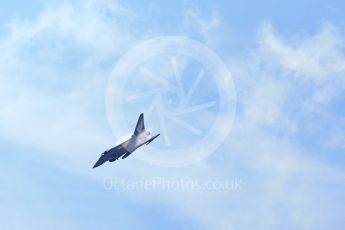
(138, 138)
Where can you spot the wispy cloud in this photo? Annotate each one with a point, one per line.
(53, 73)
(197, 22)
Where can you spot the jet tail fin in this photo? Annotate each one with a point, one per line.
(140, 125)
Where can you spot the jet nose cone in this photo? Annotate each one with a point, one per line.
(96, 165)
(100, 161)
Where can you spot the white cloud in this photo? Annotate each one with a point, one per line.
(312, 57)
(53, 73)
(277, 87)
(203, 25)
(318, 59)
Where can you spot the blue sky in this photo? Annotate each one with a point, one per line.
(285, 146)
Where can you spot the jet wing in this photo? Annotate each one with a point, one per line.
(117, 152)
(140, 125)
(152, 138)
